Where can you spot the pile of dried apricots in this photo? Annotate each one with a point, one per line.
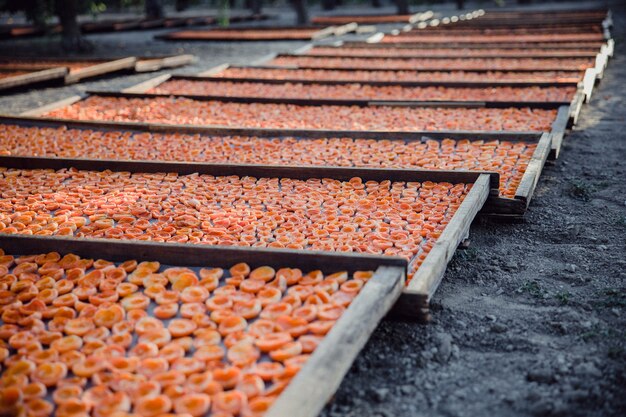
(181, 110)
(356, 91)
(509, 159)
(395, 76)
(393, 218)
(86, 337)
(508, 64)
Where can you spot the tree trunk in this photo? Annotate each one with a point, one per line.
(402, 6)
(376, 3)
(181, 5)
(71, 38)
(328, 4)
(154, 9)
(301, 11)
(256, 6)
(460, 4)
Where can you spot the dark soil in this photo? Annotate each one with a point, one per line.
(531, 319)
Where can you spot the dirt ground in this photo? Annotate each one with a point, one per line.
(531, 319)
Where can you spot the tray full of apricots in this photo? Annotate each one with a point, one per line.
(367, 51)
(398, 77)
(433, 63)
(517, 158)
(319, 115)
(303, 114)
(419, 216)
(96, 328)
(357, 92)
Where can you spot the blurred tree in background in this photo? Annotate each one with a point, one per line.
(40, 12)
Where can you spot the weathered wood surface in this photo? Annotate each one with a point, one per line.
(307, 394)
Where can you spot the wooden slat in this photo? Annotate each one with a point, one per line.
(100, 69)
(52, 106)
(342, 102)
(34, 77)
(253, 170)
(185, 254)
(263, 132)
(576, 106)
(307, 394)
(214, 70)
(144, 86)
(156, 64)
(468, 84)
(429, 275)
(588, 82)
(558, 131)
(529, 181)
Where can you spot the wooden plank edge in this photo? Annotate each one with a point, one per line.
(334, 102)
(100, 69)
(375, 38)
(309, 391)
(303, 49)
(188, 254)
(559, 126)
(588, 83)
(214, 70)
(38, 111)
(256, 170)
(427, 278)
(263, 132)
(530, 179)
(345, 28)
(48, 74)
(147, 85)
(459, 84)
(576, 107)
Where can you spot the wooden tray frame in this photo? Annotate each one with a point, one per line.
(495, 205)
(145, 86)
(331, 360)
(35, 76)
(321, 33)
(150, 64)
(564, 120)
(72, 77)
(219, 68)
(305, 49)
(292, 55)
(573, 107)
(425, 280)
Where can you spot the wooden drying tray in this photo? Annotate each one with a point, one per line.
(305, 49)
(212, 72)
(149, 64)
(100, 67)
(32, 77)
(305, 396)
(416, 295)
(372, 18)
(573, 107)
(566, 115)
(373, 41)
(319, 33)
(496, 205)
(265, 61)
